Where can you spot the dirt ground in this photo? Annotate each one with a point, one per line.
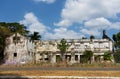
(61, 73)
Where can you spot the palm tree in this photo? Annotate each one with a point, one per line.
(35, 36)
(63, 46)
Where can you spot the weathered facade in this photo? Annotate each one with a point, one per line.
(47, 50)
(19, 49)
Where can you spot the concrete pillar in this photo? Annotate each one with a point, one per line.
(93, 59)
(101, 59)
(78, 58)
(113, 60)
(53, 58)
(72, 58)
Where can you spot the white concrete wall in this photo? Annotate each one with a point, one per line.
(98, 46)
(21, 48)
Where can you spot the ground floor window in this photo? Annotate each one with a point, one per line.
(58, 58)
(15, 54)
(68, 57)
(76, 57)
(97, 58)
(82, 59)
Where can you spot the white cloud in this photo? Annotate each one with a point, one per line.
(64, 23)
(92, 15)
(115, 26)
(33, 23)
(98, 23)
(94, 32)
(60, 33)
(45, 1)
(77, 11)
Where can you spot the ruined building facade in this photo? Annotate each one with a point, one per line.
(47, 50)
(20, 49)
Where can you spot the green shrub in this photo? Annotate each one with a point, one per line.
(107, 56)
(117, 56)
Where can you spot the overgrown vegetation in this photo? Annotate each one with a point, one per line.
(63, 46)
(117, 56)
(87, 56)
(116, 38)
(107, 56)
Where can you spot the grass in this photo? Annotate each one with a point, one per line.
(64, 64)
(62, 73)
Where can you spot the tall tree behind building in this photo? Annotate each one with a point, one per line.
(116, 38)
(7, 29)
(35, 36)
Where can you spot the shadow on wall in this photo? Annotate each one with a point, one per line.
(3, 58)
(2, 61)
(12, 76)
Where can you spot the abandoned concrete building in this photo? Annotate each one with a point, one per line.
(19, 49)
(47, 50)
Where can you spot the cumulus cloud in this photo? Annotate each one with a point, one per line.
(81, 10)
(115, 26)
(64, 23)
(90, 16)
(94, 32)
(91, 13)
(98, 23)
(33, 23)
(45, 1)
(60, 33)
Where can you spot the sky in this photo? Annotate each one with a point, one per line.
(69, 19)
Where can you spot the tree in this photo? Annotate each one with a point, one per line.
(7, 29)
(15, 28)
(92, 37)
(107, 56)
(63, 46)
(117, 56)
(84, 38)
(116, 38)
(88, 56)
(35, 36)
(4, 32)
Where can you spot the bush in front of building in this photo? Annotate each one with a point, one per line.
(87, 56)
(117, 56)
(107, 56)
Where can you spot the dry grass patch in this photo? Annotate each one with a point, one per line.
(62, 73)
(64, 64)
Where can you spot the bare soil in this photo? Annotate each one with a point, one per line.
(61, 73)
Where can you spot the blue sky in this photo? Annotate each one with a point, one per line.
(70, 19)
